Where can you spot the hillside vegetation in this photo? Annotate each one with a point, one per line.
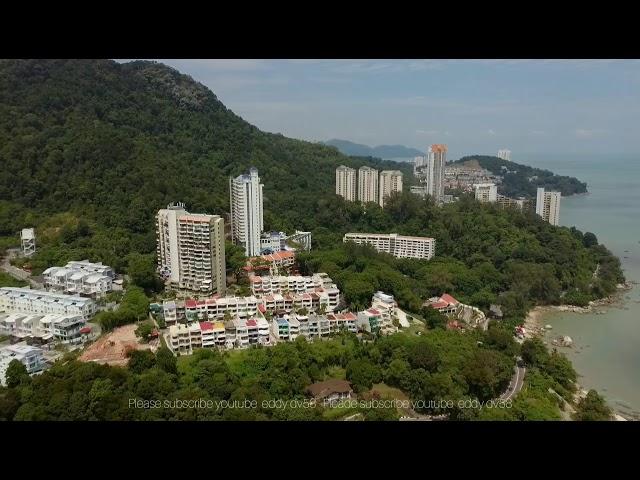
(523, 180)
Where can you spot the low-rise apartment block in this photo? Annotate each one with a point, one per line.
(399, 246)
(31, 357)
(370, 320)
(83, 278)
(26, 300)
(486, 192)
(44, 328)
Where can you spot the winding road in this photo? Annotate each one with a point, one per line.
(516, 383)
(17, 272)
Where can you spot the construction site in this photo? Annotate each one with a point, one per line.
(112, 348)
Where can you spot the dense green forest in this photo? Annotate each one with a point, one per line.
(91, 149)
(523, 180)
(484, 255)
(441, 366)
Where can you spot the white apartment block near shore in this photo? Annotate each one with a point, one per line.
(80, 278)
(346, 184)
(548, 206)
(390, 181)
(486, 192)
(26, 300)
(397, 245)
(246, 211)
(504, 154)
(367, 184)
(190, 250)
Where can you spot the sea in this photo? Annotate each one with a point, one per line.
(606, 351)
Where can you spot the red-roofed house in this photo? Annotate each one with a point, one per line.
(445, 304)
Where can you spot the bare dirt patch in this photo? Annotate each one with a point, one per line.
(112, 348)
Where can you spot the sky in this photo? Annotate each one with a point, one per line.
(474, 106)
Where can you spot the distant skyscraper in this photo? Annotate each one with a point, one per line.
(246, 211)
(418, 163)
(390, 181)
(190, 250)
(367, 185)
(346, 183)
(548, 206)
(486, 192)
(504, 154)
(434, 171)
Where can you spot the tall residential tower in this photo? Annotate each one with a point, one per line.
(390, 181)
(548, 206)
(190, 250)
(246, 211)
(346, 183)
(367, 185)
(433, 171)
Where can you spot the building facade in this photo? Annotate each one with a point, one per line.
(486, 192)
(390, 182)
(504, 154)
(346, 184)
(548, 206)
(367, 184)
(31, 357)
(190, 250)
(397, 245)
(246, 211)
(26, 300)
(80, 278)
(64, 328)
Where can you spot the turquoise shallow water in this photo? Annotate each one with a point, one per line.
(607, 346)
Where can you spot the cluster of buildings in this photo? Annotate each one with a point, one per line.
(82, 278)
(464, 177)
(400, 246)
(38, 316)
(243, 322)
(547, 203)
(430, 170)
(270, 294)
(504, 154)
(191, 246)
(369, 186)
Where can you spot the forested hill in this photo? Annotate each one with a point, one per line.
(112, 143)
(523, 180)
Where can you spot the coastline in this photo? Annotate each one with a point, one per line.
(535, 326)
(536, 320)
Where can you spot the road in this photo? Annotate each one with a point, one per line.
(17, 272)
(516, 383)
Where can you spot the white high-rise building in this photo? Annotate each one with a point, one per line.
(390, 181)
(486, 192)
(346, 183)
(433, 171)
(418, 163)
(167, 250)
(548, 206)
(367, 185)
(504, 154)
(246, 211)
(191, 250)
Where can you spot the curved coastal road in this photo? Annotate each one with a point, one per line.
(516, 383)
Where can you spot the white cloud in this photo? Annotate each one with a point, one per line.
(427, 132)
(491, 132)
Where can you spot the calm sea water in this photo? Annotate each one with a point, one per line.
(607, 346)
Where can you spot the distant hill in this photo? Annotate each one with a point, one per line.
(523, 180)
(381, 151)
